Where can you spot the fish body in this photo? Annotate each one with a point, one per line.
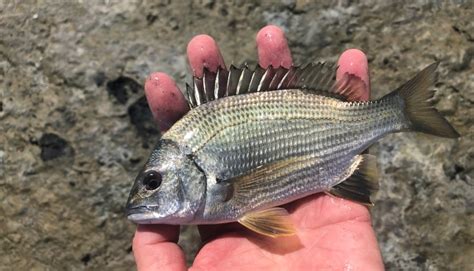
(238, 157)
(320, 137)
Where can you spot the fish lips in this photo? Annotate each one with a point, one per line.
(142, 214)
(150, 215)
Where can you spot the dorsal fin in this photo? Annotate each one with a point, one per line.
(317, 78)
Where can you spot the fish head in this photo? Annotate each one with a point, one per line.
(170, 188)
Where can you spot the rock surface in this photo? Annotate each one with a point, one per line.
(75, 127)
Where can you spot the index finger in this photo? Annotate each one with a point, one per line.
(166, 102)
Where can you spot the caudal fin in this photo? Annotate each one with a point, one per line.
(418, 107)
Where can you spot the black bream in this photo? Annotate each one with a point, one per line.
(258, 139)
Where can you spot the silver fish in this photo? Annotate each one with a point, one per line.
(255, 140)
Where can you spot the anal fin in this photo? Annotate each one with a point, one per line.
(273, 222)
(361, 184)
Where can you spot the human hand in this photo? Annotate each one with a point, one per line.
(332, 233)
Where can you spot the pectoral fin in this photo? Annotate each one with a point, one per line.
(273, 222)
(264, 176)
(262, 173)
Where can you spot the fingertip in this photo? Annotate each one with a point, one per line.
(270, 32)
(165, 100)
(272, 47)
(203, 52)
(354, 61)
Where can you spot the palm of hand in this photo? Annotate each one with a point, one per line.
(332, 233)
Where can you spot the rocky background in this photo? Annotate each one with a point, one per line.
(75, 127)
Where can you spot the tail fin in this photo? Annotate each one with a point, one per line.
(419, 108)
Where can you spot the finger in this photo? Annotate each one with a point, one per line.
(166, 102)
(155, 248)
(354, 61)
(203, 52)
(273, 48)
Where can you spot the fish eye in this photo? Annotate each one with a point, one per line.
(152, 180)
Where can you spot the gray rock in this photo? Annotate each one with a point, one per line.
(71, 144)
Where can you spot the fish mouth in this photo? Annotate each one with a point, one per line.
(142, 214)
(150, 215)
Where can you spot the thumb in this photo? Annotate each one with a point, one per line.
(155, 248)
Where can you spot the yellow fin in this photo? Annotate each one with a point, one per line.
(273, 222)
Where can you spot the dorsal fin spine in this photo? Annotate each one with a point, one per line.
(288, 77)
(316, 78)
(262, 79)
(216, 85)
(252, 78)
(283, 78)
(292, 77)
(205, 85)
(196, 92)
(241, 83)
(227, 84)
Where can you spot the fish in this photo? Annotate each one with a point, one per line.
(257, 139)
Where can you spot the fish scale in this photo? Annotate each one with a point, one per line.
(297, 105)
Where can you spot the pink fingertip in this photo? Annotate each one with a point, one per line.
(203, 52)
(354, 61)
(273, 48)
(166, 102)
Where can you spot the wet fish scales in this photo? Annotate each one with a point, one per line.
(244, 132)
